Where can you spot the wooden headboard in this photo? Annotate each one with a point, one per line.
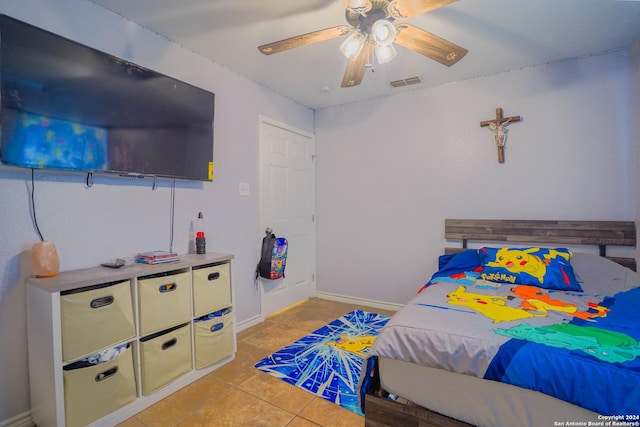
(597, 233)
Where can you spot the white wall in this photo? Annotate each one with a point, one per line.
(121, 217)
(391, 170)
(634, 109)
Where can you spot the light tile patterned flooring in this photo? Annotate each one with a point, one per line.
(237, 394)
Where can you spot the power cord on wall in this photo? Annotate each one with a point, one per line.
(172, 214)
(33, 206)
(171, 210)
(89, 180)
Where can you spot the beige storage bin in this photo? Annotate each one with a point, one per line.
(164, 357)
(214, 339)
(95, 318)
(164, 301)
(91, 393)
(211, 289)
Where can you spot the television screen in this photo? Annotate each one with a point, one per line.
(66, 106)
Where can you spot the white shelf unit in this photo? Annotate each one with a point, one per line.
(49, 353)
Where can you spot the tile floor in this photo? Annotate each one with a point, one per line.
(237, 394)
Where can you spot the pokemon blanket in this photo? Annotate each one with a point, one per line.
(578, 347)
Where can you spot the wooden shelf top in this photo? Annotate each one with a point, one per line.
(73, 279)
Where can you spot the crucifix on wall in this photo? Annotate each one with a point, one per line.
(498, 126)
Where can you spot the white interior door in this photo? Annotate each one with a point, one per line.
(287, 206)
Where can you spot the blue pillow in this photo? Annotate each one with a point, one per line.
(542, 267)
(444, 260)
(467, 260)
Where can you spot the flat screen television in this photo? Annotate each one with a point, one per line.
(66, 106)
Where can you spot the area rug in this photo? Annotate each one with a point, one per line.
(327, 362)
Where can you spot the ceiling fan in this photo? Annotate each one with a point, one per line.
(372, 31)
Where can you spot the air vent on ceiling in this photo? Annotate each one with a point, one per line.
(406, 82)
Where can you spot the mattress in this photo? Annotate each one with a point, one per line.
(476, 401)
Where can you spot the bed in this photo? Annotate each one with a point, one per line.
(517, 331)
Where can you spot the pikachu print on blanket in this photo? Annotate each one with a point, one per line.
(492, 306)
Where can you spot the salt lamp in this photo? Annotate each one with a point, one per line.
(45, 261)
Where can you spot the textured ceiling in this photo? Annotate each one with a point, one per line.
(500, 35)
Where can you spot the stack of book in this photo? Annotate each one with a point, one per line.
(156, 257)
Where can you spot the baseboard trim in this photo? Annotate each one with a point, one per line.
(256, 320)
(359, 301)
(22, 420)
(247, 323)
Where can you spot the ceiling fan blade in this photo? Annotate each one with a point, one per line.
(356, 68)
(304, 39)
(429, 45)
(403, 9)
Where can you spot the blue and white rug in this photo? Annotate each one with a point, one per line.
(328, 362)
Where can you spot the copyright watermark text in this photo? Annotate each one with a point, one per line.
(603, 420)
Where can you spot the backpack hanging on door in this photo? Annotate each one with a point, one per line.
(273, 257)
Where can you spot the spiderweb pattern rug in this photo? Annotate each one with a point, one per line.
(327, 362)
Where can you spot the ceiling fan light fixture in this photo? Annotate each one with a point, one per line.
(353, 45)
(383, 32)
(385, 53)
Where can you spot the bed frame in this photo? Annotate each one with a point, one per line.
(379, 411)
(557, 233)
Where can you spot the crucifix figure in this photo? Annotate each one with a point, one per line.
(498, 126)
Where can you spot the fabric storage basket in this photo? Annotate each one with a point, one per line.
(164, 356)
(164, 301)
(211, 289)
(214, 338)
(107, 318)
(94, 391)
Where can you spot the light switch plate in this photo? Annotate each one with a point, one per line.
(244, 189)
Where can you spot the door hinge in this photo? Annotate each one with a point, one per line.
(313, 217)
(313, 158)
